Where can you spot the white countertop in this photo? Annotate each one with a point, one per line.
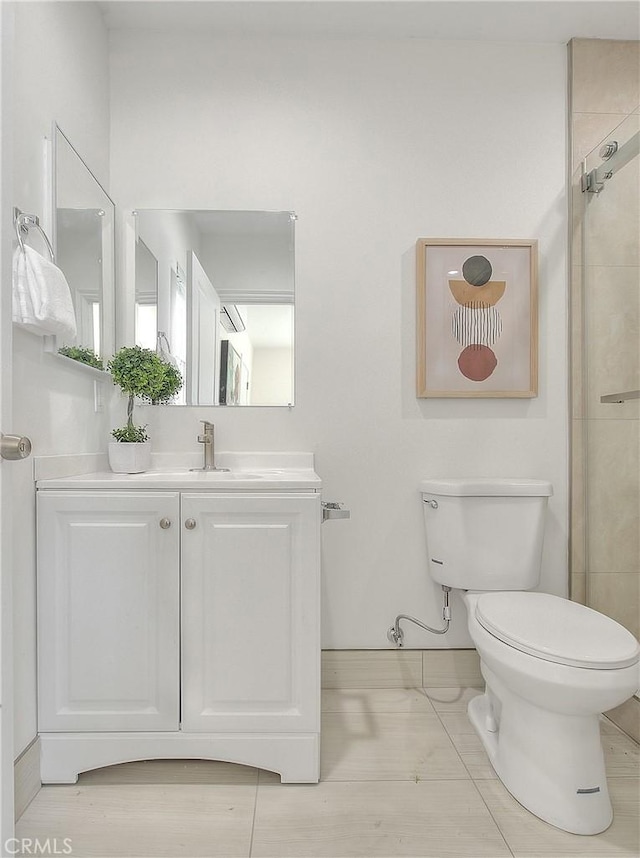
(190, 481)
(248, 471)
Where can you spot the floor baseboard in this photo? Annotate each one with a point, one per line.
(26, 777)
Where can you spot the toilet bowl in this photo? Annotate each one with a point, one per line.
(551, 666)
(538, 719)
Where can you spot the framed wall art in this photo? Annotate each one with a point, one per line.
(477, 315)
(230, 374)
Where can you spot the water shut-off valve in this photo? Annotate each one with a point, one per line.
(396, 635)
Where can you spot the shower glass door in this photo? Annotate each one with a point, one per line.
(611, 362)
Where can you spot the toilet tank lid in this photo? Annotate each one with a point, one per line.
(486, 487)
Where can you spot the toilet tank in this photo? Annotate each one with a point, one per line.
(485, 534)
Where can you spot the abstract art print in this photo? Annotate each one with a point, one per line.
(477, 318)
(230, 374)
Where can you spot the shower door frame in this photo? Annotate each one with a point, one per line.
(589, 403)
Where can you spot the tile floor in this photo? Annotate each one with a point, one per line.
(403, 774)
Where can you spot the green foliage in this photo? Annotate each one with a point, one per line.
(140, 372)
(82, 355)
(131, 434)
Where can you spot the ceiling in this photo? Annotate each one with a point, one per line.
(483, 20)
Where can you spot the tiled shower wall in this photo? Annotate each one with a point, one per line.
(604, 81)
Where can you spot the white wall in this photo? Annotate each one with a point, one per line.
(271, 381)
(241, 264)
(373, 144)
(61, 74)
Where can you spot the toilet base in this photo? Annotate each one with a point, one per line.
(551, 763)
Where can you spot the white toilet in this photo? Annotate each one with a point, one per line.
(551, 666)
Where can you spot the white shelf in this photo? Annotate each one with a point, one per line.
(97, 374)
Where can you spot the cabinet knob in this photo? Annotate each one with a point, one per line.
(165, 523)
(190, 523)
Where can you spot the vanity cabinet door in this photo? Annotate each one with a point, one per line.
(108, 611)
(250, 613)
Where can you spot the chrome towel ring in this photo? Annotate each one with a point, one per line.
(23, 222)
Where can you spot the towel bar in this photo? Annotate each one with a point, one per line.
(22, 223)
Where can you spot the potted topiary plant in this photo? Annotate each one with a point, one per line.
(139, 372)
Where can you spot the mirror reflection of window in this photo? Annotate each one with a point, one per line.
(246, 262)
(146, 303)
(146, 325)
(97, 328)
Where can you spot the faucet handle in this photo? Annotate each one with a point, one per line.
(207, 435)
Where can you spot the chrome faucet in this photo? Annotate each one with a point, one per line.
(207, 439)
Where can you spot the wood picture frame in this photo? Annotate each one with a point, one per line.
(477, 318)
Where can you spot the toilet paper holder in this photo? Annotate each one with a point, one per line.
(331, 509)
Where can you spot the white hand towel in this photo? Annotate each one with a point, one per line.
(163, 351)
(41, 296)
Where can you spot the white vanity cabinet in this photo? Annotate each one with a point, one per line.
(108, 611)
(179, 624)
(249, 613)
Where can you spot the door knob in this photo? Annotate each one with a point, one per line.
(190, 523)
(14, 447)
(165, 523)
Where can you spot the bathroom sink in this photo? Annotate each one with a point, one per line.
(227, 475)
(261, 472)
(223, 476)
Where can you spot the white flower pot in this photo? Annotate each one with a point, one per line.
(129, 458)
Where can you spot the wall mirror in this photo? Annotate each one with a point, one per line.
(214, 294)
(83, 237)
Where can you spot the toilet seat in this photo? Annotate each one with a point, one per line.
(555, 629)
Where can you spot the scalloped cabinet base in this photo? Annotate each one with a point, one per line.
(179, 624)
(296, 757)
